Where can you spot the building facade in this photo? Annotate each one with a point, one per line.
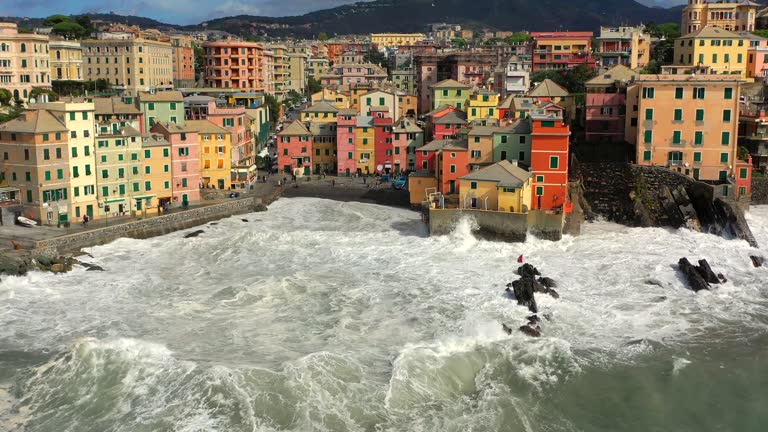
(561, 50)
(130, 65)
(24, 61)
(234, 64)
(720, 51)
(628, 46)
(66, 60)
(550, 137)
(738, 15)
(606, 107)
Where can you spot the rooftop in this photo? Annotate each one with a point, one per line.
(294, 129)
(35, 121)
(548, 88)
(451, 84)
(505, 174)
(161, 96)
(206, 127)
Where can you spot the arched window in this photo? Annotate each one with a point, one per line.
(3, 47)
(25, 94)
(58, 55)
(23, 47)
(15, 94)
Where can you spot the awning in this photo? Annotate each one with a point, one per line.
(114, 200)
(144, 197)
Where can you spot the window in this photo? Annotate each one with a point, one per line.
(539, 190)
(475, 154)
(698, 138)
(453, 168)
(699, 115)
(503, 139)
(554, 162)
(678, 114)
(166, 168)
(726, 138)
(699, 92)
(151, 106)
(649, 114)
(184, 182)
(649, 92)
(28, 176)
(46, 154)
(85, 115)
(173, 105)
(539, 179)
(724, 157)
(87, 150)
(727, 116)
(72, 115)
(121, 173)
(47, 175)
(167, 185)
(743, 173)
(648, 137)
(633, 122)
(678, 93)
(473, 185)
(147, 170)
(647, 155)
(676, 137)
(104, 191)
(147, 186)
(183, 151)
(75, 171)
(728, 93)
(714, 58)
(135, 187)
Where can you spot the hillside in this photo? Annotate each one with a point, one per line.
(113, 18)
(413, 15)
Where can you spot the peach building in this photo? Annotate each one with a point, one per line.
(686, 123)
(234, 64)
(24, 61)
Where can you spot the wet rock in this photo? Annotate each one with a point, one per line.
(260, 208)
(533, 319)
(655, 282)
(531, 330)
(523, 290)
(553, 293)
(527, 270)
(214, 223)
(194, 234)
(706, 272)
(58, 268)
(692, 273)
(244, 220)
(757, 261)
(44, 261)
(13, 265)
(507, 329)
(91, 267)
(722, 278)
(548, 282)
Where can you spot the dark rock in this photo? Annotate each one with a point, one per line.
(13, 265)
(506, 328)
(722, 278)
(533, 319)
(91, 267)
(523, 290)
(58, 268)
(548, 282)
(659, 299)
(695, 280)
(527, 270)
(260, 208)
(547, 316)
(757, 261)
(531, 331)
(244, 220)
(44, 261)
(706, 272)
(654, 282)
(214, 223)
(553, 293)
(194, 234)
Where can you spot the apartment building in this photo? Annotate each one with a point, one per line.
(24, 61)
(234, 64)
(66, 60)
(345, 74)
(628, 46)
(561, 50)
(684, 122)
(386, 40)
(607, 104)
(719, 51)
(297, 71)
(130, 65)
(731, 15)
(281, 63)
(183, 61)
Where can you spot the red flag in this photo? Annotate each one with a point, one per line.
(520, 259)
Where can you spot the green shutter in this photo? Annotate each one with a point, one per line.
(724, 157)
(554, 162)
(647, 155)
(648, 137)
(699, 115)
(726, 138)
(728, 93)
(678, 93)
(676, 137)
(697, 156)
(699, 138)
(649, 114)
(678, 114)
(726, 115)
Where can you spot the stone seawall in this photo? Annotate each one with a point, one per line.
(151, 227)
(759, 190)
(510, 227)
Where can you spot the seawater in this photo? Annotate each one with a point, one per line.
(327, 316)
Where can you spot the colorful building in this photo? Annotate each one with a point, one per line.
(323, 147)
(183, 61)
(628, 46)
(549, 162)
(377, 99)
(383, 145)
(502, 187)
(387, 40)
(331, 96)
(119, 167)
(345, 142)
(561, 50)
(158, 178)
(66, 60)
(231, 118)
(161, 107)
(512, 142)
(35, 160)
(447, 124)
(480, 141)
(452, 163)
(757, 56)
(365, 138)
(349, 73)
(407, 137)
(606, 109)
(215, 154)
(294, 150)
(450, 92)
(321, 112)
(185, 162)
(131, 65)
(727, 15)
(721, 51)
(234, 64)
(118, 108)
(687, 123)
(483, 105)
(24, 61)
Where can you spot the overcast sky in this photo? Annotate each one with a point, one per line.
(186, 12)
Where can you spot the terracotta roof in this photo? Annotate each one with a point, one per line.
(206, 127)
(35, 121)
(452, 84)
(294, 129)
(548, 88)
(113, 105)
(504, 173)
(616, 73)
(321, 107)
(161, 96)
(442, 107)
(348, 111)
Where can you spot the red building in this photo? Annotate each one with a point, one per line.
(561, 50)
(452, 162)
(345, 142)
(549, 161)
(294, 150)
(743, 172)
(607, 104)
(383, 147)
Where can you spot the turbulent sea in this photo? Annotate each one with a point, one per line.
(327, 316)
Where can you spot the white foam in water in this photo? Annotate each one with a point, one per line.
(344, 316)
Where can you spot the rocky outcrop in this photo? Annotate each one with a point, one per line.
(699, 277)
(194, 234)
(757, 261)
(523, 290)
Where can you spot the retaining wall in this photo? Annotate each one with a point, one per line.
(759, 190)
(511, 227)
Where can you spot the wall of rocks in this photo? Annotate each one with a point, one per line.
(759, 190)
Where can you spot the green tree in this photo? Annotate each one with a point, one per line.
(68, 30)
(86, 24)
(762, 33)
(375, 56)
(576, 77)
(653, 67)
(273, 106)
(743, 153)
(199, 61)
(323, 36)
(518, 38)
(10, 114)
(55, 19)
(5, 96)
(459, 43)
(37, 91)
(313, 85)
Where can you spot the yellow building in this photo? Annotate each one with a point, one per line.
(335, 98)
(215, 154)
(323, 147)
(321, 112)
(686, 123)
(132, 65)
(482, 105)
(450, 92)
(386, 40)
(66, 60)
(502, 187)
(727, 15)
(158, 178)
(721, 51)
(365, 145)
(376, 99)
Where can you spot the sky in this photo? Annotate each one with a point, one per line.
(187, 12)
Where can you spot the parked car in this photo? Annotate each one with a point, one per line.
(400, 183)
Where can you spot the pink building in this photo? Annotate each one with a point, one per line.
(606, 104)
(757, 56)
(345, 142)
(294, 150)
(350, 73)
(232, 119)
(407, 137)
(185, 162)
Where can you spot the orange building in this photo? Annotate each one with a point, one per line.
(549, 161)
(183, 61)
(234, 64)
